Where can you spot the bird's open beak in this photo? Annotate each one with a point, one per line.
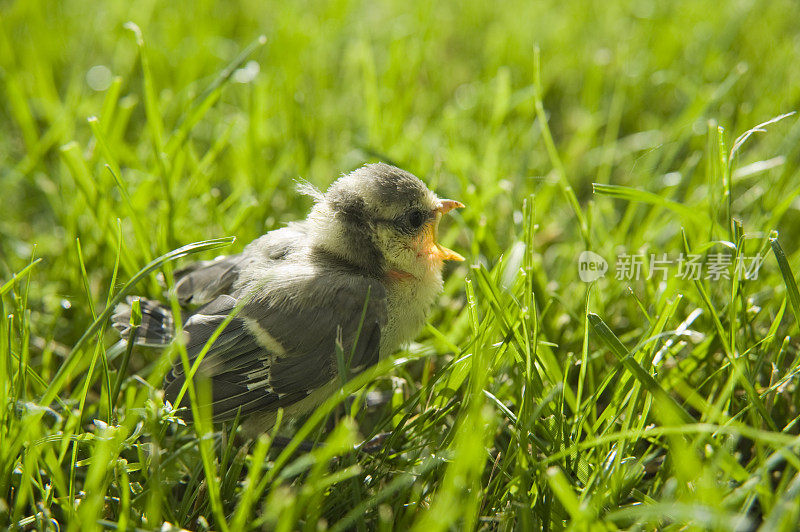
(438, 251)
(447, 205)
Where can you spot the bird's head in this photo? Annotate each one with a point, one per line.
(384, 219)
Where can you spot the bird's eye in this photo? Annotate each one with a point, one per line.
(416, 218)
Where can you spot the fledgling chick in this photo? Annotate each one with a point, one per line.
(369, 240)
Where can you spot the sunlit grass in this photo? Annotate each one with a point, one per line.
(134, 134)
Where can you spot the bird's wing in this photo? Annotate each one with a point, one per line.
(201, 282)
(282, 344)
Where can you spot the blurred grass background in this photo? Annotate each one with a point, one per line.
(510, 412)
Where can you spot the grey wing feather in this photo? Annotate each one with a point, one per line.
(301, 317)
(156, 328)
(198, 283)
(227, 364)
(277, 244)
(309, 332)
(201, 282)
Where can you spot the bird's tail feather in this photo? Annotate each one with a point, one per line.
(156, 329)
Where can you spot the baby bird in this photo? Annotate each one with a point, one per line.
(366, 250)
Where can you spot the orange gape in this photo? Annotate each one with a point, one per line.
(428, 244)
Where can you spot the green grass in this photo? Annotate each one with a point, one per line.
(532, 400)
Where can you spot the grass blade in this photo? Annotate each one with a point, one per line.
(72, 357)
(788, 277)
(552, 151)
(207, 98)
(24, 272)
(643, 196)
(647, 380)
